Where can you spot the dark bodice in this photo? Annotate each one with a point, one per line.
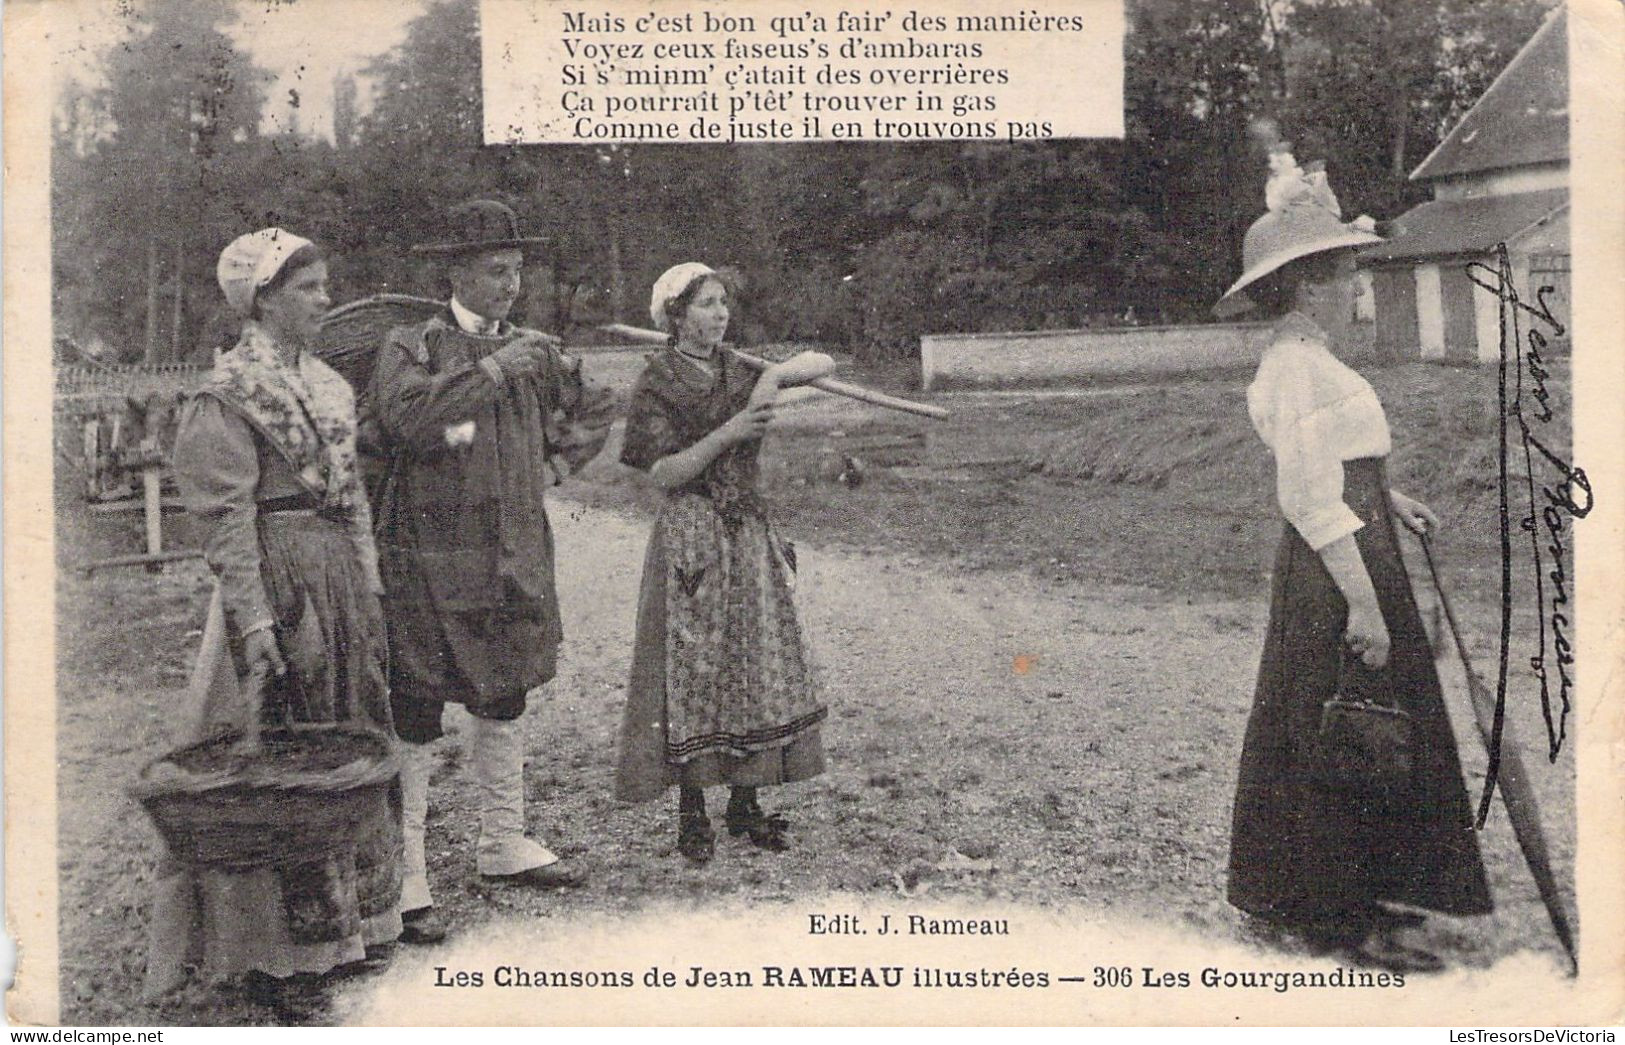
(675, 404)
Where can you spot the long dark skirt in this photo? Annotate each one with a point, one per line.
(300, 917)
(1305, 855)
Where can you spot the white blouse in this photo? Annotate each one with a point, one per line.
(1314, 413)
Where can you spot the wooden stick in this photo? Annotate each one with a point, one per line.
(858, 392)
(143, 559)
(828, 384)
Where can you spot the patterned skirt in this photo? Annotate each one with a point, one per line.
(1301, 854)
(305, 917)
(720, 691)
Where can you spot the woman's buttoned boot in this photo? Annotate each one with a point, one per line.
(419, 921)
(505, 854)
(745, 817)
(695, 838)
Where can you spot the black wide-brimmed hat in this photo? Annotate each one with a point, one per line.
(477, 226)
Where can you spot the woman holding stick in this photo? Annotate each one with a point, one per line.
(1321, 862)
(266, 458)
(720, 692)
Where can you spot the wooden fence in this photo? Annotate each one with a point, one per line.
(86, 392)
(79, 381)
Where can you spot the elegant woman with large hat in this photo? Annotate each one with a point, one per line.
(1338, 866)
(265, 457)
(720, 692)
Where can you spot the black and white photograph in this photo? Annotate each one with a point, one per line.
(798, 514)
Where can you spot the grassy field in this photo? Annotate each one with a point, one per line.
(1161, 485)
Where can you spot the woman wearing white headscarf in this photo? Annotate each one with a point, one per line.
(266, 459)
(720, 692)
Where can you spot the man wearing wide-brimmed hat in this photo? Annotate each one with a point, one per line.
(479, 417)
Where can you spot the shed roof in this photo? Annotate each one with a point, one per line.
(1440, 228)
(1523, 119)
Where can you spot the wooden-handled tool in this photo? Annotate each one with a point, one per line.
(828, 384)
(1510, 777)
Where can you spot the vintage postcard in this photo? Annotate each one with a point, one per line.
(1092, 512)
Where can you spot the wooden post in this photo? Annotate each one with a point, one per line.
(180, 298)
(151, 491)
(93, 456)
(617, 276)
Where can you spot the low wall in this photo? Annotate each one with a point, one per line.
(615, 366)
(1059, 356)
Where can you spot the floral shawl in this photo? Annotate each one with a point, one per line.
(306, 411)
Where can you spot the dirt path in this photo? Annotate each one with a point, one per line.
(1074, 745)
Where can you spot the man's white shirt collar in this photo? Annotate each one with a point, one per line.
(471, 322)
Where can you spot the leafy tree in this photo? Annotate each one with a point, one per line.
(611, 213)
(159, 152)
(420, 148)
(864, 244)
(1374, 85)
(1197, 74)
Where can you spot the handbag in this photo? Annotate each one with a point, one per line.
(1364, 744)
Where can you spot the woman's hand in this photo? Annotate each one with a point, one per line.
(766, 390)
(1413, 514)
(259, 647)
(375, 580)
(673, 471)
(750, 423)
(1367, 633)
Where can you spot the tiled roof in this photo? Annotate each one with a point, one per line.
(1522, 119)
(1465, 226)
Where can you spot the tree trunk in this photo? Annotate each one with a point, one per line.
(180, 298)
(1402, 128)
(1399, 104)
(617, 273)
(150, 349)
(1277, 50)
(564, 297)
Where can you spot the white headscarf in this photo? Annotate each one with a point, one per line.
(671, 283)
(252, 260)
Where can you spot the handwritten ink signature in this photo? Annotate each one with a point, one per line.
(1549, 505)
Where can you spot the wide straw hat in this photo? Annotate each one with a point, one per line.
(671, 283)
(475, 227)
(1307, 223)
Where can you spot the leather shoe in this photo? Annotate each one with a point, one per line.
(1383, 951)
(745, 817)
(377, 958)
(300, 998)
(553, 876)
(423, 925)
(695, 838)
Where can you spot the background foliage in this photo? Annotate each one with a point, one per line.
(862, 246)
